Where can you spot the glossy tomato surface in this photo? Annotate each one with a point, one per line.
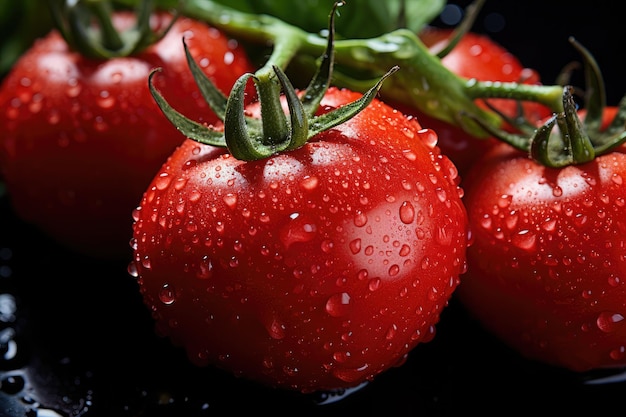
(95, 354)
(80, 139)
(312, 269)
(546, 264)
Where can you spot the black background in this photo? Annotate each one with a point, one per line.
(85, 345)
(537, 32)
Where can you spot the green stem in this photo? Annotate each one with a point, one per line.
(549, 95)
(422, 81)
(111, 38)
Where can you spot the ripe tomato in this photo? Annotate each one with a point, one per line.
(546, 267)
(313, 269)
(480, 57)
(80, 139)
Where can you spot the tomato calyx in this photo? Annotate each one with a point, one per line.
(248, 138)
(576, 140)
(75, 19)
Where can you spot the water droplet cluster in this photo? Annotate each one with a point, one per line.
(314, 269)
(550, 245)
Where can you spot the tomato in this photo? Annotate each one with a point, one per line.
(480, 57)
(313, 269)
(80, 139)
(546, 269)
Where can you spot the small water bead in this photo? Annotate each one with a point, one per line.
(607, 321)
(53, 117)
(163, 181)
(355, 246)
(410, 155)
(167, 294)
(12, 384)
(407, 212)
(132, 267)
(524, 239)
(360, 219)
(374, 284)
(105, 100)
(309, 183)
(338, 304)
(618, 353)
(429, 137)
(230, 200)
(276, 329)
(617, 179)
(352, 374)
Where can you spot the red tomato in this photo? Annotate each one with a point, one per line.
(476, 56)
(313, 269)
(546, 269)
(81, 139)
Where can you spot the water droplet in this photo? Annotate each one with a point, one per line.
(549, 225)
(394, 270)
(409, 154)
(374, 284)
(351, 374)
(337, 305)
(407, 212)
(607, 321)
(205, 270)
(105, 100)
(441, 194)
(230, 200)
(300, 228)
(524, 239)
(355, 246)
(360, 219)
(327, 246)
(12, 384)
(618, 353)
(162, 181)
(276, 329)
(429, 137)
(309, 183)
(167, 294)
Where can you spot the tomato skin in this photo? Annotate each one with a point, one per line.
(480, 57)
(546, 265)
(314, 269)
(81, 139)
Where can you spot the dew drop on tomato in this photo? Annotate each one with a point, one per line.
(276, 329)
(338, 304)
(350, 375)
(407, 212)
(428, 137)
(608, 321)
(205, 269)
(524, 240)
(105, 100)
(167, 294)
(360, 219)
(230, 200)
(618, 353)
(374, 284)
(355, 246)
(300, 228)
(309, 183)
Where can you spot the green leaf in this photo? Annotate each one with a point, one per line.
(368, 18)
